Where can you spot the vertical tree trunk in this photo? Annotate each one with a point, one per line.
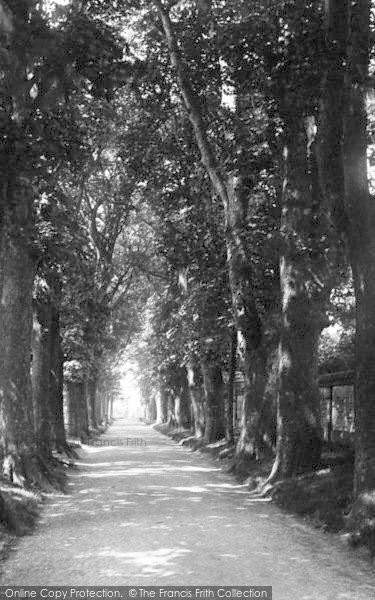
(229, 188)
(246, 318)
(57, 385)
(361, 243)
(41, 368)
(162, 403)
(299, 436)
(77, 410)
(195, 399)
(182, 402)
(91, 391)
(99, 411)
(106, 407)
(72, 409)
(151, 414)
(343, 170)
(171, 419)
(17, 272)
(110, 409)
(229, 396)
(214, 401)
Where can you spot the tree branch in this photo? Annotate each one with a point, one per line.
(192, 106)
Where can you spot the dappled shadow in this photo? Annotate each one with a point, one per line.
(163, 514)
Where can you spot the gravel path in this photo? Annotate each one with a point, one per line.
(158, 514)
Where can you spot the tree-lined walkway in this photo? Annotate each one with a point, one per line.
(161, 515)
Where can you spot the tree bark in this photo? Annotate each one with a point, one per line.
(331, 111)
(91, 392)
(182, 401)
(106, 407)
(229, 396)
(41, 368)
(343, 161)
(171, 419)
(77, 410)
(214, 401)
(57, 385)
(17, 272)
(247, 321)
(161, 402)
(150, 412)
(99, 410)
(110, 409)
(361, 243)
(196, 399)
(299, 435)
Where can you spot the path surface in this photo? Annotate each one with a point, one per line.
(162, 515)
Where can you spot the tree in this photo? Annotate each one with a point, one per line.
(230, 188)
(343, 166)
(41, 72)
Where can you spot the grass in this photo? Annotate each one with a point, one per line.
(322, 497)
(19, 510)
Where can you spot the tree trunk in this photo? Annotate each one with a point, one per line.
(229, 188)
(343, 161)
(41, 369)
(162, 403)
(77, 410)
(17, 272)
(214, 401)
(182, 402)
(196, 399)
(331, 110)
(99, 411)
(361, 243)
(110, 409)
(57, 385)
(229, 396)
(91, 392)
(299, 436)
(151, 414)
(106, 408)
(171, 419)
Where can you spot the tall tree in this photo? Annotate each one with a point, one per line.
(343, 166)
(230, 189)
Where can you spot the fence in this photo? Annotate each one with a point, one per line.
(337, 404)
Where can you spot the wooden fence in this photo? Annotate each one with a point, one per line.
(337, 404)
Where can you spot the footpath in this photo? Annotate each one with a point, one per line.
(141, 510)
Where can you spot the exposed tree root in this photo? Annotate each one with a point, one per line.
(66, 450)
(34, 471)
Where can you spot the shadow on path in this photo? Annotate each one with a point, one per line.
(159, 514)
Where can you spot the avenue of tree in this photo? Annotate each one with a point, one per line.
(184, 185)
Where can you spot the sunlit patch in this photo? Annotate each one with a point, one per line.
(193, 488)
(260, 499)
(149, 562)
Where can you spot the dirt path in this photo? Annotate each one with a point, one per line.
(162, 515)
